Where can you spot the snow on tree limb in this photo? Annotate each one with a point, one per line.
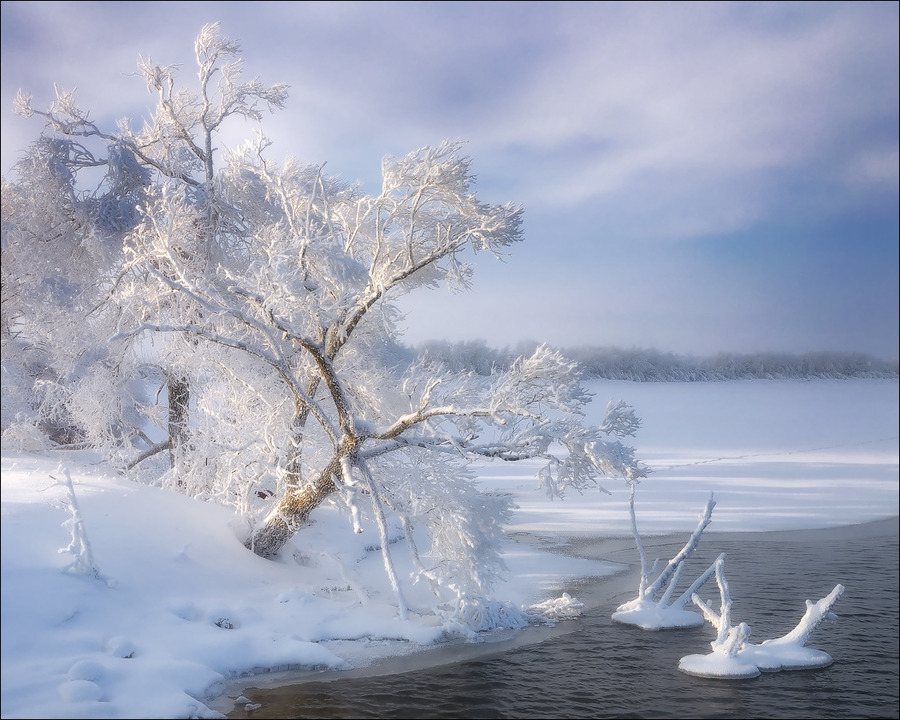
(253, 303)
(733, 656)
(816, 613)
(685, 552)
(653, 608)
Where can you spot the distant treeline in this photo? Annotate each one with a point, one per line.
(642, 365)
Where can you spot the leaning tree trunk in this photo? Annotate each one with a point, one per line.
(292, 510)
(301, 499)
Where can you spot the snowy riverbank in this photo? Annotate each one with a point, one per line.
(177, 608)
(593, 667)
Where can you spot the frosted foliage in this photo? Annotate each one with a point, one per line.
(60, 255)
(325, 252)
(237, 469)
(543, 381)
(248, 330)
(474, 615)
(462, 525)
(175, 141)
(100, 406)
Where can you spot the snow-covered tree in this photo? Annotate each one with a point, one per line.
(272, 287)
(309, 328)
(61, 251)
(175, 150)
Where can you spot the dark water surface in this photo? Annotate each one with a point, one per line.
(594, 668)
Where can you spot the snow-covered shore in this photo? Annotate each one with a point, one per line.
(589, 667)
(176, 607)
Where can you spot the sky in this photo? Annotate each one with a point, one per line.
(696, 177)
(160, 606)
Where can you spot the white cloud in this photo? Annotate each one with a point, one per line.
(609, 122)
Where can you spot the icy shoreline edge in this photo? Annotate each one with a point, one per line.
(596, 591)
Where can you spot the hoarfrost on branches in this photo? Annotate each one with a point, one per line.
(242, 322)
(654, 608)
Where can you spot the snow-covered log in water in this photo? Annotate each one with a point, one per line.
(732, 657)
(653, 608)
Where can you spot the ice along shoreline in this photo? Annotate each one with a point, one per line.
(600, 593)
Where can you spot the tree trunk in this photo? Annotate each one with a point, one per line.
(179, 392)
(291, 512)
(294, 467)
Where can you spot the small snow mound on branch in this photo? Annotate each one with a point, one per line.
(562, 608)
(650, 615)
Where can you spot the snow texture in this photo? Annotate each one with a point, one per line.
(183, 609)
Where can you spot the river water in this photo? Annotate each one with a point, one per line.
(594, 668)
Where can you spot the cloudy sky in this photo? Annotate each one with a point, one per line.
(696, 177)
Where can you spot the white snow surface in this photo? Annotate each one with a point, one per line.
(176, 607)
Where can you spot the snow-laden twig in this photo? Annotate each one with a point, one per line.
(654, 588)
(816, 613)
(80, 546)
(726, 640)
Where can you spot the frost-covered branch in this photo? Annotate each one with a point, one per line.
(734, 657)
(685, 552)
(721, 621)
(80, 546)
(154, 449)
(816, 613)
(653, 608)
